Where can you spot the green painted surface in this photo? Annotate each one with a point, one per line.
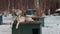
(41, 20)
(25, 29)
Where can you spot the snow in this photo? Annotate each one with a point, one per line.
(5, 29)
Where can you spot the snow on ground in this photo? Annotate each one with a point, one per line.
(5, 29)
